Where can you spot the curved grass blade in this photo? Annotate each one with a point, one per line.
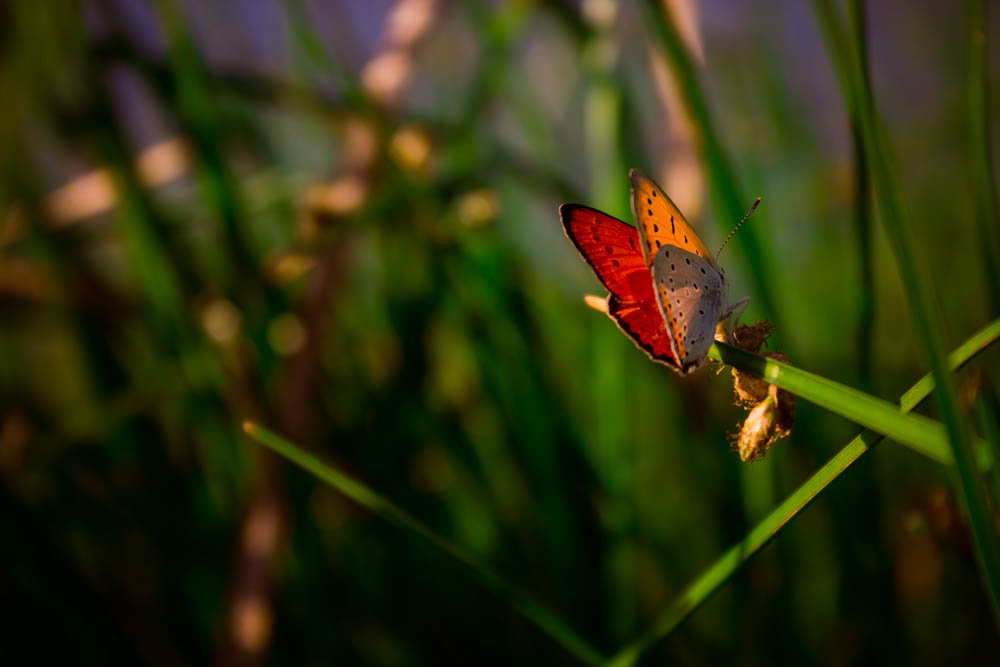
(859, 94)
(364, 496)
(915, 431)
(730, 562)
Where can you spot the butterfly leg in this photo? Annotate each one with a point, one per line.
(737, 310)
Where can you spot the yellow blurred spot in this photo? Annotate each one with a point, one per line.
(386, 74)
(249, 427)
(251, 623)
(286, 335)
(163, 162)
(290, 266)
(83, 197)
(409, 20)
(339, 197)
(261, 534)
(221, 321)
(598, 303)
(94, 192)
(478, 207)
(360, 142)
(600, 13)
(410, 147)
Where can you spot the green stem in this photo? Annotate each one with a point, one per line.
(730, 562)
(898, 230)
(377, 504)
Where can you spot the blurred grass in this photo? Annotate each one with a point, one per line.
(385, 277)
(860, 97)
(760, 535)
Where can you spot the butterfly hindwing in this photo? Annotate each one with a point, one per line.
(611, 248)
(692, 294)
(660, 222)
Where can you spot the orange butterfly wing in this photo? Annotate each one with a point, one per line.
(612, 249)
(660, 222)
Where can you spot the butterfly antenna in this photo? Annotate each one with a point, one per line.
(736, 228)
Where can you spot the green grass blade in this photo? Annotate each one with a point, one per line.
(863, 220)
(730, 204)
(730, 562)
(915, 431)
(364, 496)
(983, 178)
(917, 294)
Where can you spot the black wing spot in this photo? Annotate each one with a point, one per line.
(649, 212)
(671, 266)
(655, 228)
(649, 201)
(631, 242)
(671, 280)
(673, 230)
(608, 249)
(685, 238)
(657, 243)
(615, 263)
(688, 260)
(654, 193)
(703, 270)
(701, 312)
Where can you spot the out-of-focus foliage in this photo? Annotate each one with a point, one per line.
(339, 219)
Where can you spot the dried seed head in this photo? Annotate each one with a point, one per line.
(757, 434)
(751, 337)
(750, 389)
(773, 410)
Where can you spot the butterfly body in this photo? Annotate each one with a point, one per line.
(667, 291)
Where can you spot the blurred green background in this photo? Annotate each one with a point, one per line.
(338, 219)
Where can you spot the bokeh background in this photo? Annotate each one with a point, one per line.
(338, 219)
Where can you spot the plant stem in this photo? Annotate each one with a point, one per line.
(732, 560)
(377, 504)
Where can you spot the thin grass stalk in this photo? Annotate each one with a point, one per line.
(535, 612)
(863, 218)
(898, 231)
(730, 204)
(717, 574)
(981, 159)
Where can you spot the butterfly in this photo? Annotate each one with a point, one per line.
(667, 292)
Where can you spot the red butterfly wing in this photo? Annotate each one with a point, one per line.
(611, 247)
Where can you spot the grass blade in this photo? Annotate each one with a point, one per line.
(364, 496)
(983, 183)
(898, 231)
(915, 431)
(730, 562)
(863, 219)
(730, 204)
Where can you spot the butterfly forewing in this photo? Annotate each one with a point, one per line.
(660, 222)
(611, 247)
